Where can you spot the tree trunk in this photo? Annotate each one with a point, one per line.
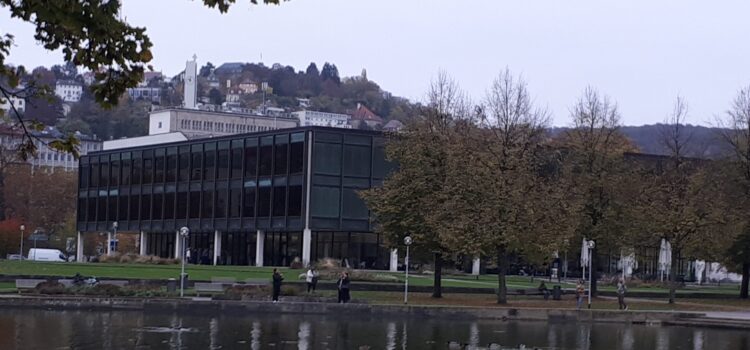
(745, 280)
(2, 193)
(437, 288)
(673, 278)
(502, 261)
(594, 274)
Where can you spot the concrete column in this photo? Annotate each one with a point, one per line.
(79, 247)
(260, 240)
(109, 243)
(475, 266)
(217, 246)
(177, 247)
(394, 260)
(143, 248)
(306, 246)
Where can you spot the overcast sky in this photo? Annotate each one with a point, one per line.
(640, 53)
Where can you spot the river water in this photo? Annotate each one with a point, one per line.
(40, 329)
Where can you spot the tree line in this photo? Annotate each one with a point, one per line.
(487, 179)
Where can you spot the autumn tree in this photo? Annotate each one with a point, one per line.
(735, 125)
(410, 197)
(594, 165)
(489, 202)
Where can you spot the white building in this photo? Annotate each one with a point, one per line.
(68, 90)
(191, 84)
(17, 102)
(194, 123)
(315, 118)
(10, 138)
(143, 141)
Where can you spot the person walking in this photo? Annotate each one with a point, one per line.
(545, 291)
(277, 278)
(580, 292)
(310, 279)
(343, 286)
(621, 289)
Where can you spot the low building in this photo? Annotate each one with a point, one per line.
(393, 126)
(264, 199)
(147, 140)
(17, 102)
(364, 116)
(11, 137)
(194, 123)
(315, 118)
(68, 90)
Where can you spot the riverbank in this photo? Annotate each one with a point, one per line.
(207, 306)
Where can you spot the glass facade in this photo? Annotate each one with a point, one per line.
(238, 185)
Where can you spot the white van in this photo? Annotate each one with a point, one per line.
(43, 254)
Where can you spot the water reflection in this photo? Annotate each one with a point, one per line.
(21, 329)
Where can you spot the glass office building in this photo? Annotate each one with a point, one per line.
(261, 199)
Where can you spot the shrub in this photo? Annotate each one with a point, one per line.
(296, 264)
(50, 287)
(130, 258)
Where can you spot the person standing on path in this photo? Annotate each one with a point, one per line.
(621, 289)
(310, 279)
(343, 284)
(277, 278)
(580, 292)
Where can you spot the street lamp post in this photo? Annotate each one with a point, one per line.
(591, 246)
(184, 232)
(407, 243)
(565, 262)
(22, 227)
(113, 243)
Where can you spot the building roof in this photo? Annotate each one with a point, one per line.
(49, 132)
(365, 114)
(393, 125)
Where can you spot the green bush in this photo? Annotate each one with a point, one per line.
(50, 287)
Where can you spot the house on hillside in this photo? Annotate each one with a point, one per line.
(393, 126)
(364, 116)
(68, 90)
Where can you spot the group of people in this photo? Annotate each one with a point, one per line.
(621, 290)
(311, 278)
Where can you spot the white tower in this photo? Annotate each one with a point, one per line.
(191, 83)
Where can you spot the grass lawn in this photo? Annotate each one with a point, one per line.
(6, 287)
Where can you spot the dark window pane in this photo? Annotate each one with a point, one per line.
(264, 201)
(137, 171)
(235, 204)
(196, 166)
(115, 173)
(327, 158)
(101, 213)
(157, 206)
(223, 164)
(195, 205)
(356, 161)
(125, 174)
(91, 209)
(148, 167)
(169, 205)
(182, 205)
(279, 164)
(104, 168)
(295, 201)
(145, 207)
(381, 167)
(236, 163)
(183, 173)
(221, 203)
(124, 205)
(279, 200)
(135, 208)
(266, 160)
(251, 161)
(296, 157)
(95, 175)
(159, 169)
(112, 210)
(207, 210)
(171, 168)
(81, 209)
(325, 202)
(209, 162)
(83, 179)
(248, 205)
(353, 207)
